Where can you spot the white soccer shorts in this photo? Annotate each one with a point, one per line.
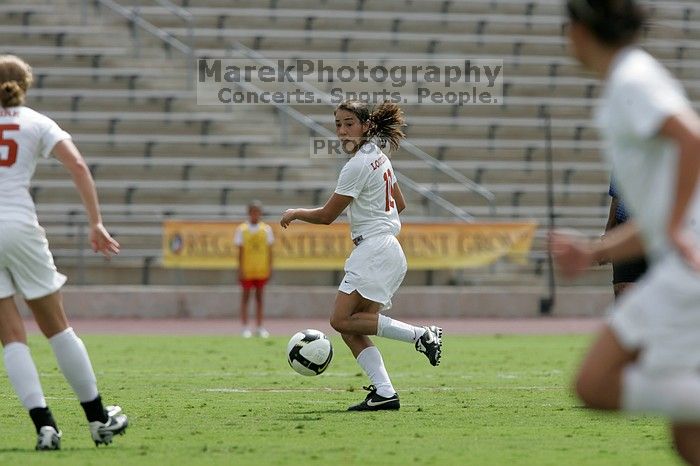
(375, 269)
(661, 317)
(26, 264)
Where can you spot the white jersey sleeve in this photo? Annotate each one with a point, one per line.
(353, 178)
(270, 235)
(238, 236)
(646, 107)
(51, 135)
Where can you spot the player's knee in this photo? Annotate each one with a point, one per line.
(339, 324)
(586, 391)
(595, 393)
(687, 444)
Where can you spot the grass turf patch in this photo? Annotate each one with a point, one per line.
(494, 400)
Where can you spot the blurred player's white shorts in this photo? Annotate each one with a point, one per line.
(375, 269)
(26, 264)
(661, 317)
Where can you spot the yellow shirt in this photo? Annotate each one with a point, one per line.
(256, 250)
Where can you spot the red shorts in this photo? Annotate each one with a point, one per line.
(247, 284)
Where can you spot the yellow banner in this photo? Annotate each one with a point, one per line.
(209, 245)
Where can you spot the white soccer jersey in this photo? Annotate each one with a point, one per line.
(368, 178)
(639, 96)
(25, 135)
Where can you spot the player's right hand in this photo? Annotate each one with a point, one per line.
(102, 241)
(571, 254)
(287, 217)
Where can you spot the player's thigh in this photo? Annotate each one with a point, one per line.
(11, 325)
(599, 380)
(347, 304)
(49, 314)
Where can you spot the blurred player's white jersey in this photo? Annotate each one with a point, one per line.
(25, 135)
(640, 95)
(368, 177)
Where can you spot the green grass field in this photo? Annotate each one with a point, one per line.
(212, 400)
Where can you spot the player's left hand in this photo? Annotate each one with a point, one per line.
(572, 255)
(287, 217)
(686, 247)
(102, 241)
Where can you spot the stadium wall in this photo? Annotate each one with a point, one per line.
(317, 301)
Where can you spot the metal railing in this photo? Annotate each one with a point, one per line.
(137, 22)
(411, 148)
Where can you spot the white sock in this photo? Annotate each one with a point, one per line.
(23, 375)
(397, 330)
(676, 396)
(75, 364)
(370, 360)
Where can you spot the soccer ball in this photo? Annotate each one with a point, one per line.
(309, 352)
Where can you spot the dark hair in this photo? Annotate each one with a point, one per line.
(385, 121)
(15, 80)
(614, 22)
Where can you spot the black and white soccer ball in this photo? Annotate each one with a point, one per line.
(309, 352)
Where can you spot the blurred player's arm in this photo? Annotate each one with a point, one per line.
(574, 255)
(684, 130)
(321, 215)
(69, 156)
(398, 197)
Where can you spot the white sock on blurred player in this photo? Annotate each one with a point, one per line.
(23, 375)
(75, 364)
(397, 330)
(675, 396)
(370, 360)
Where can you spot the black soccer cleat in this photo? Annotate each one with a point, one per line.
(374, 402)
(430, 344)
(103, 432)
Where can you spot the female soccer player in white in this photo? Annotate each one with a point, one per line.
(26, 264)
(377, 265)
(647, 356)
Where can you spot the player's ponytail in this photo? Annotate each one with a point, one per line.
(615, 23)
(15, 80)
(386, 123)
(11, 94)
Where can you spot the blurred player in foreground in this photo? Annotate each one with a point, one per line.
(647, 357)
(254, 240)
(26, 264)
(377, 266)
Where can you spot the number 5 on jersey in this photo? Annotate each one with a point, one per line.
(9, 159)
(389, 190)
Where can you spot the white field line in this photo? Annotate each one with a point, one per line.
(403, 389)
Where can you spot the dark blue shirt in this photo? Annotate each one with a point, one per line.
(621, 215)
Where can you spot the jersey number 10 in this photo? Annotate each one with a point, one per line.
(389, 190)
(11, 145)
